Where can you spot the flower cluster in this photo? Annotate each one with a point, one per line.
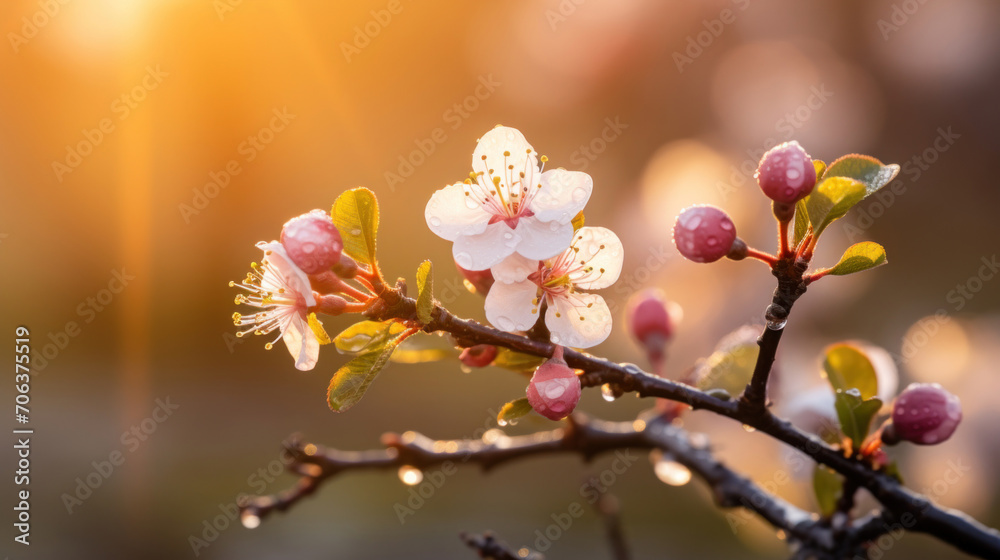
(516, 220)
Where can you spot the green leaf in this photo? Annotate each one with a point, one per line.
(422, 355)
(801, 221)
(855, 414)
(359, 336)
(355, 213)
(514, 410)
(578, 221)
(858, 257)
(351, 382)
(516, 361)
(848, 367)
(831, 199)
(729, 369)
(425, 292)
(865, 169)
(828, 488)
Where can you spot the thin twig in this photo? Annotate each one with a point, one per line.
(488, 546)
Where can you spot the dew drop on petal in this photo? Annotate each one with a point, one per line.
(435, 221)
(579, 195)
(555, 389)
(671, 472)
(471, 203)
(411, 476)
(249, 520)
(608, 393)
(464, 260)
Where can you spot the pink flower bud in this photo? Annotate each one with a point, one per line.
(704, 233)
(649, 322)
(925, 414)
(786, 173)
(312, 241)
(478, 281)
(480, 355)
(554, 389)
(330, 304)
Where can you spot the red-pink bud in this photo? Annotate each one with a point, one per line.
(312, 241)
(704, 233)
(480, 355)
(786, 173)
(478, 281)
(330, 304)
(925, 414)
(554, 389)
(649, 321)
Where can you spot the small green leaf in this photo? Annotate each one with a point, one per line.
(831, 199)
(871, 172)
(425, 292)
(855, 414)
(351, 382)
(359, 336)
(512, 411)
(355, 213)
(729, 368)
(317, 328)
(858, 257)
(828, 488)
(848, 367)
(578, 221)
(801, 221)
(820, 168)
(516, 361)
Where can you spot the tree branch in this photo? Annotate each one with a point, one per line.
(488, 546)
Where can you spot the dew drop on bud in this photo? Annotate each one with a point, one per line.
(608, 392)
(249, 520)
(411, 476)
(671, 472)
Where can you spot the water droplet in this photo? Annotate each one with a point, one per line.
(793, 174)
(554, 225)
(555, 388)
(501, 422)
(608, 393)
(693, 223)
(854, 392)
(900, 410)
(470, 202)
(671, 472)
(712, 241)
(411, 476)
(435, 221)
(249, 520)
(749, 429)
(726, 225)
(777, 325)
(355, 231)
(464, 260)
(308, 248)
(579, 195)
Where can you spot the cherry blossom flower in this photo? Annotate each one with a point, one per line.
(574, 318)
(508, 205)
(283, 293)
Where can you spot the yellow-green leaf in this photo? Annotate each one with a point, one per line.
(855, 415)
(801, 221)
(357, 337)
(828, 488)
(820, 168)
(731, 366)
(578, 221)
(516, 361)
(351, 382)
(858, 257)
(871, 172)
(425, 292)
(355, 213)
(422, 355)
(831, 199)
(512, 411)
(848, 367)
(317, 328)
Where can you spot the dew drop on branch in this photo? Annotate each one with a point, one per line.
(249, 520)
(410, 476)
(608, 392)
(671, 472)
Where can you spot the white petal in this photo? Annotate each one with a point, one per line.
(601, 254)
(494, 143)
(301, 342)
(562, 196)
(514, 268)
(578, 320)
(511, 307)
(487, 249)
(292, 277)
(451, 214)
(540, 240)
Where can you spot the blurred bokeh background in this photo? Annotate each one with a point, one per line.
(152, 143)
